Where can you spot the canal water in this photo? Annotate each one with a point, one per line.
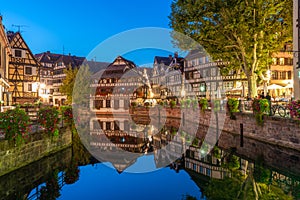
(125, 164)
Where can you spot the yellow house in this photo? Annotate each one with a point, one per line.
(23, 72)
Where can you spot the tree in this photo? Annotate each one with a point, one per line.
(82, 90)
(68, 83)
(243, 33)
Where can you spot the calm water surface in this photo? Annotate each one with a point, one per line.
(75, 173)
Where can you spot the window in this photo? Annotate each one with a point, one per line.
(289, 74)
(30, 87)
(116, 125)
(281, 61)
(107, 103)
(275, 75)
(98, 104)
(116, 104)
(208, 172)
(108, 127)
(28, 70)
(18, 53)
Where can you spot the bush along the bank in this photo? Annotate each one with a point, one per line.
(260, 108)
(67, 114)
(15, 124)
(232, 105)
(48, 118)
(203, 104)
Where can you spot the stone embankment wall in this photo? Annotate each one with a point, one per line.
(275, 131)
(12, 158)
(17, 184)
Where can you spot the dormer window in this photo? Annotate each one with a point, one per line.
(18, 53)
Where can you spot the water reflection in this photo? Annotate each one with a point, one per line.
(225, 173)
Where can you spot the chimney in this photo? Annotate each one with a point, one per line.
(69, 54)
(170, 57)
(48, 52)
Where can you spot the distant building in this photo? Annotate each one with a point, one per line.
(52, 74)
(117, 85)
(282, 72)
(167, 80)
(5, 51)
(23, 73)
(204, 79)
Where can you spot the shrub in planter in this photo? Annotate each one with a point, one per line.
(203, 104)
(188, 103)
(232, 105)
(48, 118)
(216, 105)
(182, 103)
(172, 104)
(15, 124)
(260, 108)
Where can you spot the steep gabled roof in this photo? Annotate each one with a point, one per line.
(47, 57)
(163, 60)
(72, 61)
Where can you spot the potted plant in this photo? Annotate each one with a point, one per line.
(203, 104)
(260, 108)
(232, 105)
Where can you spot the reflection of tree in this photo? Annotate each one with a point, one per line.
(254, 183)
(72, 173)
(51, 190)
(188, 197)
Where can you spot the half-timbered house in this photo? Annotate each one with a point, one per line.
(117, 85)
(23, 72)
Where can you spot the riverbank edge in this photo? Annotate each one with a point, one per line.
(13, 158)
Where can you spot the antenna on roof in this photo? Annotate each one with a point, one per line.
(19, 27)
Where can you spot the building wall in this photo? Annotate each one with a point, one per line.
(4, 58)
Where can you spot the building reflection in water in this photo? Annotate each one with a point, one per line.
(121, 142)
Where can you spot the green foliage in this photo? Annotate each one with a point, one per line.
(133, 104)
(67, 115)
(172, 104)
(261, 173)
(203, 104)
(195, 142)
(188, 103)
(14, 124)
(260, 108)
(233, 105)
(48, 118)
(182, 103)
(68, 83)
(216, 105)
(82, 90)
(243, 33)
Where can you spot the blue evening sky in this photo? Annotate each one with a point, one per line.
(80, 26)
